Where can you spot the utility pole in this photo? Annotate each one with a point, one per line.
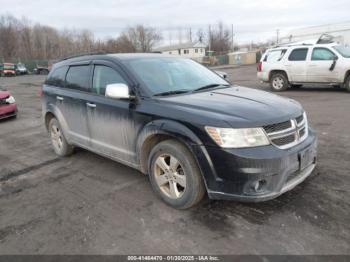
(180, 35)
(209, 40)
(190, 34)
(277, 33)
(232, 35)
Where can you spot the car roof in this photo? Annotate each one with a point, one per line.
(111, 56)
(281, 47)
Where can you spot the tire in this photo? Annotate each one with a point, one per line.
(184, 187)
(347, 84)
(278, 82)
(59, 142)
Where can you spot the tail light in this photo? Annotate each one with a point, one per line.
(259, 67)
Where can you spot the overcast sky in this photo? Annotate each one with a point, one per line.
(252, 20)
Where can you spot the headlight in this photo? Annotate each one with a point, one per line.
(238, 138)
(11, 100)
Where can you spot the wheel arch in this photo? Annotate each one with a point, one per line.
(53, 112)
(347, 74)
(278, 71)
(160, 130)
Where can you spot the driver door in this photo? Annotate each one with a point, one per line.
(111, 122)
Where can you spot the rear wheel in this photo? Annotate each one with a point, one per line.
(59, 143)
(175, 176)
(278, 82)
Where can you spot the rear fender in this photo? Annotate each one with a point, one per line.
(53, 109)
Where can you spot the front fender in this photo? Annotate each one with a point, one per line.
(182, 133)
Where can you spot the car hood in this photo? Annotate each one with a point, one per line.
(238, 106)
(4, 94)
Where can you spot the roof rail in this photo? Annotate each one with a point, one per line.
(293, 44)
(83, 54)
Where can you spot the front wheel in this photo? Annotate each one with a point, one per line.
(175, 176)
(347, 84)
(278, 82)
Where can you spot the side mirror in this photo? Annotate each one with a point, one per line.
(117, 91)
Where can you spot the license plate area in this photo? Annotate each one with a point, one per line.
(306, 158)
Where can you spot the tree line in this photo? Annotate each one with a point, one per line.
(19, 38)
(22, 39)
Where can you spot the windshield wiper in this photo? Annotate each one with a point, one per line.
(172, 92)
(209, 86)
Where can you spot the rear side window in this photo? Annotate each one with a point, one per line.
(78, 77)
(57, 77)
(103, 76)
(322, 54)
(298, 54)
(274, 55)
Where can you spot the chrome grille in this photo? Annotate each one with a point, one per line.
(277, 127)
(289, 133)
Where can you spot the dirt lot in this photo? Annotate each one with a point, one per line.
(89, 204)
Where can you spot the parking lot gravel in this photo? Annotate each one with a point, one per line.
(87, 204)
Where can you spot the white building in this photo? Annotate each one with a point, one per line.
(341, 32)
(190, 49)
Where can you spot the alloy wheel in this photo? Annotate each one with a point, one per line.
(56, 137)
(170, 176)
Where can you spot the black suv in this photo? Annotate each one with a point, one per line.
(182, 124)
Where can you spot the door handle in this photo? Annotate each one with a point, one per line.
(313, 65)
(60, 98)
(90, 105)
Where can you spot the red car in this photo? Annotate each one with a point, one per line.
(8, 69)
(8, 107)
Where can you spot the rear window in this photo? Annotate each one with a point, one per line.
(298, 54)
(78, 77)
(57, 77)
(274, 55)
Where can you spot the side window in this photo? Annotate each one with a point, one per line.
(78, 77)
(275, 55)
(322, 54)
(298, 54)
(103, 76)
(57, 77)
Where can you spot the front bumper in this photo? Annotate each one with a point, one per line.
(7, 111)
(261, 173)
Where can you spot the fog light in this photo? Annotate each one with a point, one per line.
(259, 185)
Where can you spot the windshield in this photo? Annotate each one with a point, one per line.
(343, 50)
(173, 74)
(9, 66)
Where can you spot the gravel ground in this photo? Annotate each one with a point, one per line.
(92, 205)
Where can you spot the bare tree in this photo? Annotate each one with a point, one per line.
(220, 38)
(141, 38)
(200, 35)
(8, 36)
(21, 39)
